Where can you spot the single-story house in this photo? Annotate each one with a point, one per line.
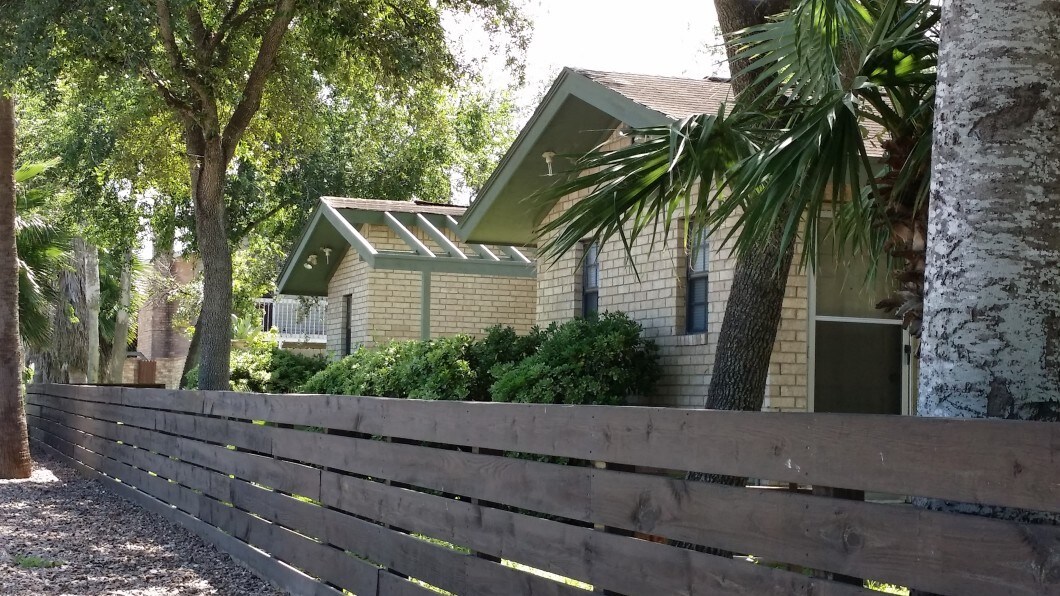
(397, 270)
(834, 351)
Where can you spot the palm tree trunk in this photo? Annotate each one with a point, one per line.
(991, 345)
(121, 320)
(14, 443)
(753, 310)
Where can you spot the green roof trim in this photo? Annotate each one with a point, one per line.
(580, 111)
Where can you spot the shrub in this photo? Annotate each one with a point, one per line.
(500, 345)
(261, 367)
(364, 372)
(599, 360)
(435, 369)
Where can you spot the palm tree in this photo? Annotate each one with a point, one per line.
(14, 443)
(794, 143)
(43, 250)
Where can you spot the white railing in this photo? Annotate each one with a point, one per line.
(294, 320)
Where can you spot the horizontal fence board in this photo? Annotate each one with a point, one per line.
(1014, 468)
(942, 553)
(302, 480)
(852, 538)
(435, 564)
(271, 569)
(985, 461)
(539, 540)
(394, 585)
(637, 566)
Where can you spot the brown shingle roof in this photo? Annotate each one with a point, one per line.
(675, 97)
(393, 206)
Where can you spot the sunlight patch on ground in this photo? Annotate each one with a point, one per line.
(40, 476)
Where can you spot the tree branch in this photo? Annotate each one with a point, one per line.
(176, 60)
(183, 108)
(242, 233)
(255, 87)
(200, 36)
(234, 19)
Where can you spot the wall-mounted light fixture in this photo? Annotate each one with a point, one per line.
(547, 156)
(310, 262)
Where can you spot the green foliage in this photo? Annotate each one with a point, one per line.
(261, 367)
(365, 372)
(795, 142)
(501, 345)
(599, 360)
(35, 562)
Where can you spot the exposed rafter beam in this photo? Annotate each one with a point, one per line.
(482, 250)
(399, 228)
(364, 248)
(439, 237)
(514, 253)
(413, 262)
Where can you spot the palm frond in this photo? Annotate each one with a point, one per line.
(646, 184)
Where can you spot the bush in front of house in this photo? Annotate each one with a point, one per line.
(367, 371)
(598, 360)
(585, 361)
(260, 366)
(500, 346)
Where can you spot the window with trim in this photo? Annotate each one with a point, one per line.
(696, 282)
(590, 279)
(347, 324)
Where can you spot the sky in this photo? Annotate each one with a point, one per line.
(662, 37)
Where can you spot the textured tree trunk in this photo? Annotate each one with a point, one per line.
(193, 353)
(211, 224)
(87, 255)
(991, 345)
(14, 443)
(121, 321)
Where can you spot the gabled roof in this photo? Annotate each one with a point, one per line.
(580, 110)
(674, 97)
(335, 227)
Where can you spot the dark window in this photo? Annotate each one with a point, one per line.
(347, 324)
(591, 280)
(696, 296)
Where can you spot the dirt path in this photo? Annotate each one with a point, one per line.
(63, 534)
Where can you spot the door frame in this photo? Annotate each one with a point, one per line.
(907, 402)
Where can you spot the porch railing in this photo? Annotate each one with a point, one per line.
(294, 320)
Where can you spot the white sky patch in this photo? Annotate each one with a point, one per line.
(658, 37)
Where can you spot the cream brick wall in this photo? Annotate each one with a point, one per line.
(652, 291)
(387, 303)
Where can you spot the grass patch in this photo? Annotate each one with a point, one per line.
(35, 562)
(886, 588)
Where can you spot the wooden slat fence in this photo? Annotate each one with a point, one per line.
(384, 496)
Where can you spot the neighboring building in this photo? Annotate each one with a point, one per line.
(834, 351)
(397, 270)
(157, 338)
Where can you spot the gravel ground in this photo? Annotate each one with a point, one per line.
(102, 544)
